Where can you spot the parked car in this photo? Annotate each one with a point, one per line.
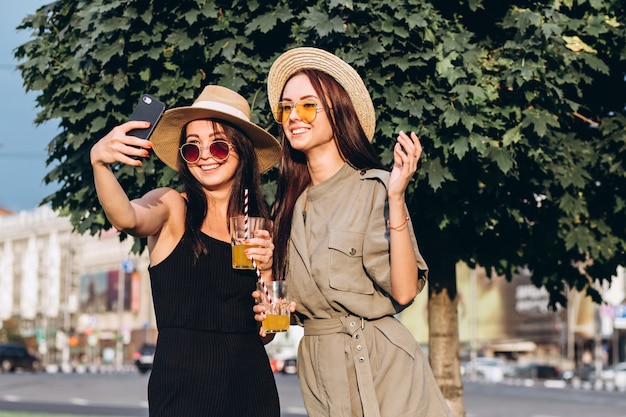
(615, 374)
(538, 371)
(290, 366)
(276, 365)
(15, 356)
(144, 357)
(485, 369)
(584, 373)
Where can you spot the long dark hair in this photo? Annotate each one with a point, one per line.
(293, 175)
(246, 176)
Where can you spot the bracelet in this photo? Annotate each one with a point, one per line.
(400, 227)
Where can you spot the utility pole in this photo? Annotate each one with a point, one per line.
(127, 267)
(119, 354)
(571, 324)
(69, 268)
(473, 343)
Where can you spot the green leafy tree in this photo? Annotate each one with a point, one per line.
(527, 157)
(517, 106)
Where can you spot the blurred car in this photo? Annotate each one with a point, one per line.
(538, 371)
(616, 375)
(15, 356)
(144, 357)
(510, 370)
(486, 369)
(584, 373)
(273, 365)
(290, 366)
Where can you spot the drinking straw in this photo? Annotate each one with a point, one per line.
(245, 214)
(258, 274)
(247, 235)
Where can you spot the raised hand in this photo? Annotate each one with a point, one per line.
(406, 155)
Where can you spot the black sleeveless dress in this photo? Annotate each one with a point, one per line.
(209, 359)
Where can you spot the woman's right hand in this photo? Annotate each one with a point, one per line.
(259, 308)
(259, 315)
(119, 146)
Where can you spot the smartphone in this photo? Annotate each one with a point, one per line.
(148, 109)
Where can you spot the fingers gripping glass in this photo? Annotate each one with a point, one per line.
(306, 110)
(219, 150)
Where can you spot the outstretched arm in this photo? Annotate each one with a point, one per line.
(124, 214)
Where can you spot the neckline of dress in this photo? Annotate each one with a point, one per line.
(306, 203)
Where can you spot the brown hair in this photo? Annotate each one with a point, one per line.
(293, 175)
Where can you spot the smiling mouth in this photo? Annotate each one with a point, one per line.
(298, 131)
(209, 167)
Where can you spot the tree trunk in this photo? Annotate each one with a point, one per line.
(443, 320)
(443, 349)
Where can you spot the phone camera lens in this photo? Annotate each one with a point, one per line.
(147, 100)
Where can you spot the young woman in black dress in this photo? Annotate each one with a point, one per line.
(210, 360)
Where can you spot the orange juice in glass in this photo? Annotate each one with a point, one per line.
(277, 314)
(239, 233)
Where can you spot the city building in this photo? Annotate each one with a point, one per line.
(61, 290)
(512, 320)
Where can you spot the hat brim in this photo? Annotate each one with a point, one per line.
(298, 59)
(165, 137)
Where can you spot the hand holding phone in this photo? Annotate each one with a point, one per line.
(148, 109)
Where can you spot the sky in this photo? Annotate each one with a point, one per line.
(22, 143)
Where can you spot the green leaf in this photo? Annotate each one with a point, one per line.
(437, 174)
(512, 136)
(501, 157)
(180, 39)
(460, 147)
(451, 116)
(321, 23)
(539, 120)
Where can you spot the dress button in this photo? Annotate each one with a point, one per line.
(359, 348)
(352, 251)
(352, 324)
(356, 336)
(361, 359)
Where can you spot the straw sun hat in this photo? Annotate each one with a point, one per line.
(219, 103)
(302, 58)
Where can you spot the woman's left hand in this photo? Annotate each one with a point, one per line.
(406, 155)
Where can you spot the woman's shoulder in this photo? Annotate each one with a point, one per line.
(172, 215)
(380, 175)
(163, 196)
(163, 192)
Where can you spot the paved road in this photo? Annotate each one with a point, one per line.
(118, 394)
(538, 399)
(115, 394)
(124, 394)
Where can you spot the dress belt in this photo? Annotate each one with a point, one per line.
(356, 345)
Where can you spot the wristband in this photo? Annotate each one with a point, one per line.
(402, 226)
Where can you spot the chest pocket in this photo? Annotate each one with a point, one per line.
(346, 271)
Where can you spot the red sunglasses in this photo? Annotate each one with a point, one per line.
(219, 150)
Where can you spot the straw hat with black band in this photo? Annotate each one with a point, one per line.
(298, 59)
(220, 103)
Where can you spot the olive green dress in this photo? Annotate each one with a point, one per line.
(356, 358)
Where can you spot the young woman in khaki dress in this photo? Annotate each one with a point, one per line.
(345, 243)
